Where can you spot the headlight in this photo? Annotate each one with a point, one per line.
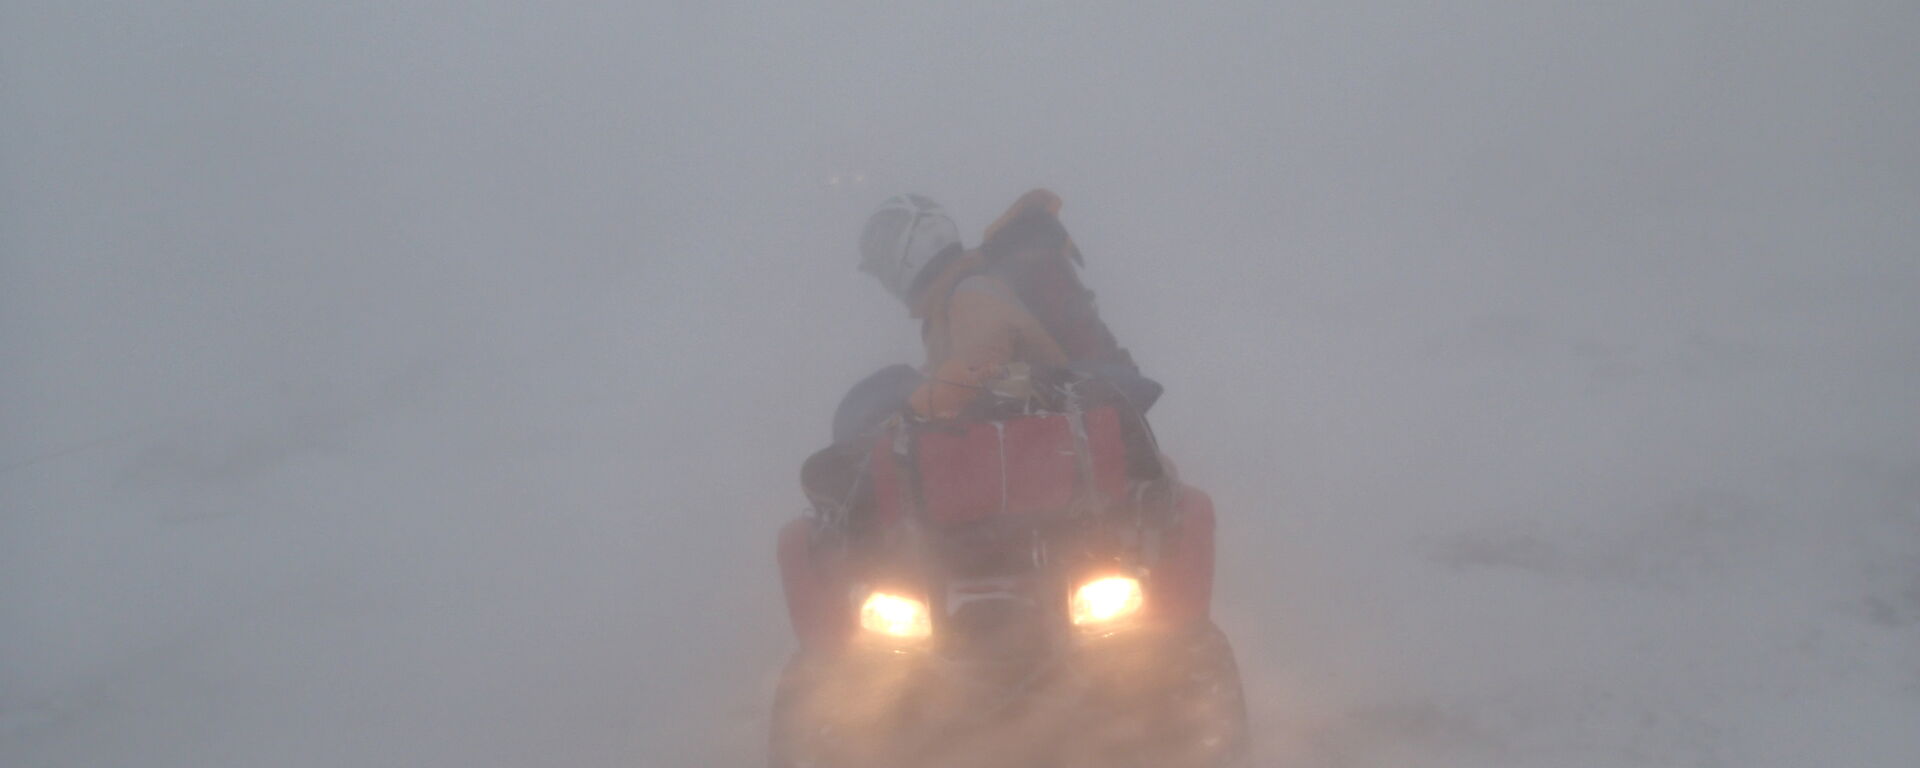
(896, 616)
(1106, 599)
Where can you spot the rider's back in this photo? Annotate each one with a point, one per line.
(1017, 299)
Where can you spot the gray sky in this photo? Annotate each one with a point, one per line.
(424, 384)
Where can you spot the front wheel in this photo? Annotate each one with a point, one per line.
(1210, 705)
(837, 712)
(1174, 701)
(791, 739)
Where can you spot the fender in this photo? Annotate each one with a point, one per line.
(1183, 586)
(815, 600)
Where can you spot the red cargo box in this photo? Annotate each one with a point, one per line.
(966, 471)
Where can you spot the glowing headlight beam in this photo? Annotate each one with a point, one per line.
(1106, 599)
(896, 616)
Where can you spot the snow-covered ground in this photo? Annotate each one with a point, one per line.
(423, 386)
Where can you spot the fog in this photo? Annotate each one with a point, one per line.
(423, 384)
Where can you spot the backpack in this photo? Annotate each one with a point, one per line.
(1034, 256)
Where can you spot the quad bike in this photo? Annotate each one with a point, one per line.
(1028, 589)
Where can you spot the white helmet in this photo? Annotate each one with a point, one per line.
(902, 239)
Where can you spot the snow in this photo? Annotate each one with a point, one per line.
(410, 386)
